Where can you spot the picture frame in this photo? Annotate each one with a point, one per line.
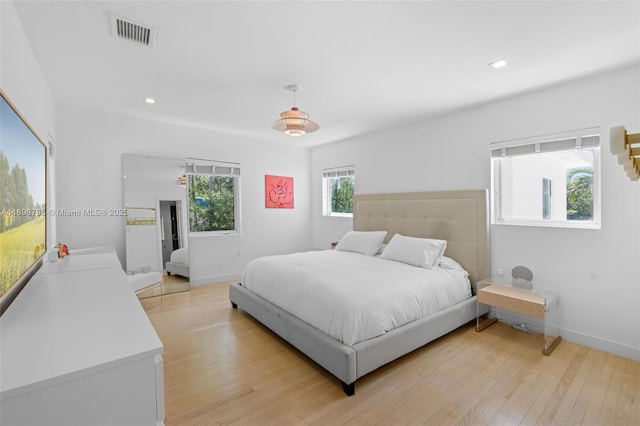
(24, 221)
(279, 192)
(141, 216)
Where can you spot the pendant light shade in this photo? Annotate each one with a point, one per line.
(294, 122)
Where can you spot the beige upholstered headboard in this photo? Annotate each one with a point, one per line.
(460, 217)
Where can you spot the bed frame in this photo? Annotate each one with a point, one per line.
(460, 217)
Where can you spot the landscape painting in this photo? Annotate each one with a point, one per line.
(23, 171)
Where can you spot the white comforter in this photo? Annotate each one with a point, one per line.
(350, 296)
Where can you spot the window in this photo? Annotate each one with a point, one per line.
(548, 180)
(337, 191)
(214, 197)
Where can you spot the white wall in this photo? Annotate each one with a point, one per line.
(598, 271)
(23, 83)
(89, 175)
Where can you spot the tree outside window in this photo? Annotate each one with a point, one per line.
(342, 194)
(211, 203)
(337, 192)
(213, 197)
(580, 193)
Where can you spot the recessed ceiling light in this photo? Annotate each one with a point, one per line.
(150, 100)
(499, 63)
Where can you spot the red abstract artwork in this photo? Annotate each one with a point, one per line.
(279, 192)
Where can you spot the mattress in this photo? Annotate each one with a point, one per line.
(353, 297)
(180, 256)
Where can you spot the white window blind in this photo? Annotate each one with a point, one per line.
(577, 139)
(339, 171)
(212, 168)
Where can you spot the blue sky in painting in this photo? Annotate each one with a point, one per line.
(21, 147)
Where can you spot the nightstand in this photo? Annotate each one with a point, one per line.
(533, 299)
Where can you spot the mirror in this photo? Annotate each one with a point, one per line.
(156, 228)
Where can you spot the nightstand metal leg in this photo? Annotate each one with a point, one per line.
(486, 322)
(481, 325)
(549, 348)
(551, 314)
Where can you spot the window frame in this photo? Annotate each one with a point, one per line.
(547, 200)
(216, 168)
(327, 174)
(496, 177)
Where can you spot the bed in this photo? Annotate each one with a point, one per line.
(459, 217)
(178, 263)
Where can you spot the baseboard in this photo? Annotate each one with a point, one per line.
(573, 336)
(215, 279)
(594, 342)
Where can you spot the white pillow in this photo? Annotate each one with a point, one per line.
(362, 242)
(449, 263)
(422, 252)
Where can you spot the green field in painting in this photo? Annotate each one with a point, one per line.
(17, 250)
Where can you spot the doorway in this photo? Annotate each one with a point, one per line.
(170, 232)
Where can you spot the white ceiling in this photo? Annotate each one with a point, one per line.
(363, 66)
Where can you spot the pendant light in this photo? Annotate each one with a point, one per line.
(294, 122)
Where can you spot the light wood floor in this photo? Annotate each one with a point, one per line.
(222, 367)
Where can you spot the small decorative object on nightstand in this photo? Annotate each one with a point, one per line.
(334, 244)
(523, 296)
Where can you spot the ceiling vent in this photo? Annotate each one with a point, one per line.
(132, 31)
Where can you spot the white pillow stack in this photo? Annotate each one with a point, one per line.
(449, 263)
(421, 252)
(366, 243)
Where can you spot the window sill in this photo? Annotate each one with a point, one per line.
(349, 215)
(550, 224)
(213, 234)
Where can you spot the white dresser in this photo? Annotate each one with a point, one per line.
(76, 348)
